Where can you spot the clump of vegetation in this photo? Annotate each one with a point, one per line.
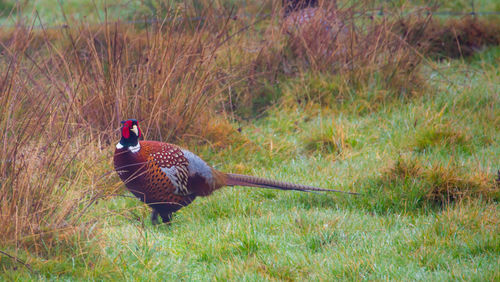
(452, 38)
(450, 183)
(331, 138)
(441, 134)
(316, 88)
(408, 184)
(219, 133)
(363, 53)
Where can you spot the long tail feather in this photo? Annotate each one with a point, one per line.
(252, 181)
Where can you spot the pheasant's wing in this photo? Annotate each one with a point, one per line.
(174, 166)
(184, 169)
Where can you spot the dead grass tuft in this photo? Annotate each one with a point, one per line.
(453, 38)
(443, 184)
(218, 134)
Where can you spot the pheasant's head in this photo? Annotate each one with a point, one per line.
(130, 135)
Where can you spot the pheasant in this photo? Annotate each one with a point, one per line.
(168, 177)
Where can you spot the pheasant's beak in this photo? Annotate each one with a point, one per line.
(135, 130)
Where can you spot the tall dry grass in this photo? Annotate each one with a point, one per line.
(362, 49)
(63, 95)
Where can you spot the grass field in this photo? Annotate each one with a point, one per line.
(416, 134)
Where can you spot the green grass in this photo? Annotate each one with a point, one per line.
(50, 12)
(55, 12)
(391, 231)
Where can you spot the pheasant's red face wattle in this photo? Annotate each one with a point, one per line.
(126, 131)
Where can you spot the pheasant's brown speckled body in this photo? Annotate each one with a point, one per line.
(158, 175)
(167, 177)
(142, 175)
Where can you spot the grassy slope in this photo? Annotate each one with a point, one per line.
(240, 233)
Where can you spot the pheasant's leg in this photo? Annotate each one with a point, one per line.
(154, 217)
(164, 211)
(166, 217)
